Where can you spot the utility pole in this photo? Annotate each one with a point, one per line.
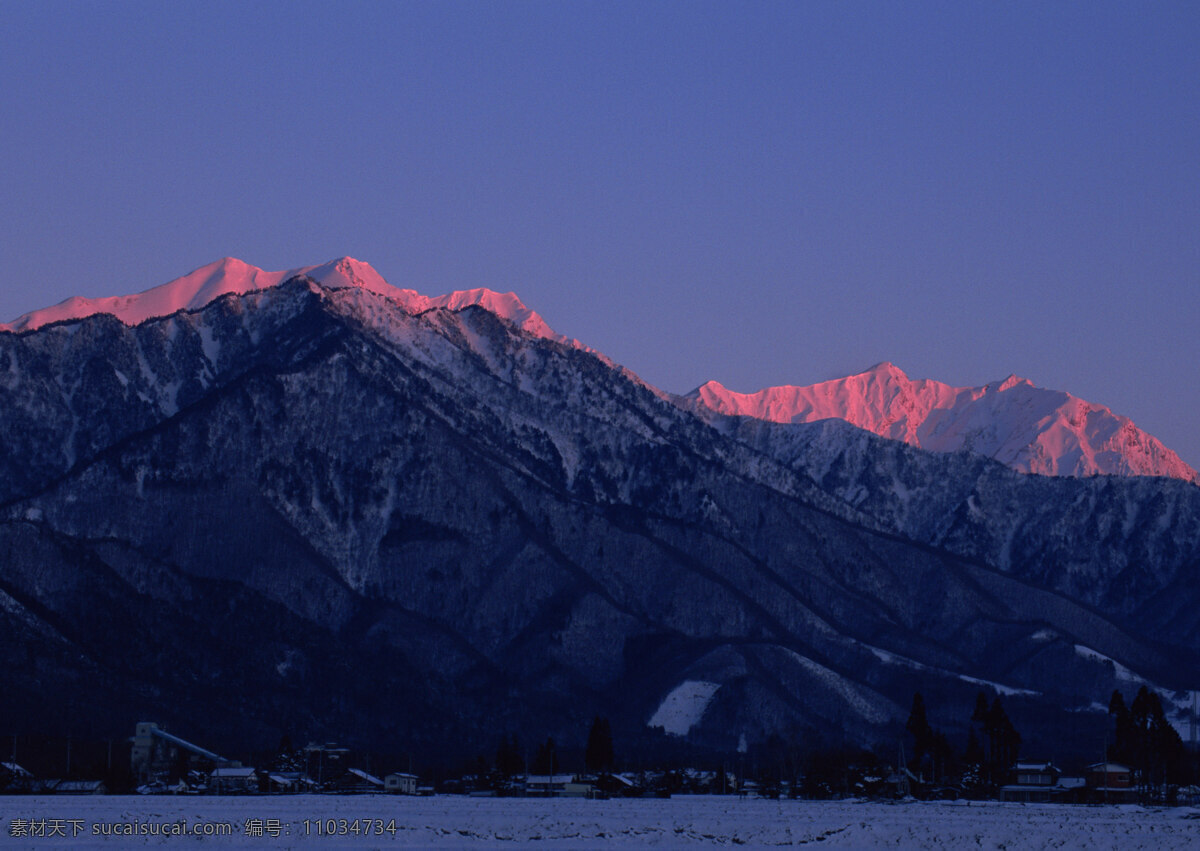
(1193, 724)
(1104, 768)
(1195, 752)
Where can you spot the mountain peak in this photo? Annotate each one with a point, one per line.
(348, 272)
(231, 275)
(886, 368)
(1013, 381)
(227, 263)
(191, 292)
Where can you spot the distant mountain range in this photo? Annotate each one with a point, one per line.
(1027, 428)
(1022, 426)
(253, 502)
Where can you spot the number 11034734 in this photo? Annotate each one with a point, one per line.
(349, 827)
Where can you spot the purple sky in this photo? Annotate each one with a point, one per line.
(760, 193)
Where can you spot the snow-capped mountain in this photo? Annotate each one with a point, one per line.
(1027, 428)
(230, 276)
(319, 506)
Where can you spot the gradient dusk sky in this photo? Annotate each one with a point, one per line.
(757, 193)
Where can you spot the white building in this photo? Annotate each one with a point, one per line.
(400, 783)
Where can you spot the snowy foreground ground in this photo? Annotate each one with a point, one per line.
(457, 822)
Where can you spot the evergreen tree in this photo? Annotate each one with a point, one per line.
(508, 757)
(918, 726)
(1003, 739)
(721, 783)
(599, 753)
(546, 759)
(973, 755)
(974, 760)
(980, 717)
(942, 754)
(770, 760)
(1124, 736)
(1141, 719)
(1157, 748)
(287, 757)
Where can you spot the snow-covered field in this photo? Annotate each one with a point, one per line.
(458, 822)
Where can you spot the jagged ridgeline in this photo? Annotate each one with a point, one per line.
(318, 505)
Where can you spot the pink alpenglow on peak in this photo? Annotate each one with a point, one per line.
(501, 304)
(229, 275)
(1028, 428)
(197, 289)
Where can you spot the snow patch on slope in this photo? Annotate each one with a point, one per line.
(1177, 705)
(889, 658)
(853, 694)
(1120, 671)
(682, 709)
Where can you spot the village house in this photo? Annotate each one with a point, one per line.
(617, 785)
(1039, 782)
(232, 780)
(1036, 773)
(357, 781)
(400, 783)
(324, 761)
(14, 778)
(556, 786)
(1109, 782)
(289, 783)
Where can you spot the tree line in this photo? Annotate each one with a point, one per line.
(1141, 738)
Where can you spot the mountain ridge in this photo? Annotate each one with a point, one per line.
(1025, 427)
(1028, 428)
(290, 488)
(231, 276)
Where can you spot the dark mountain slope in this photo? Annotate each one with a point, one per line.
(314, 511)
(1116, 543)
